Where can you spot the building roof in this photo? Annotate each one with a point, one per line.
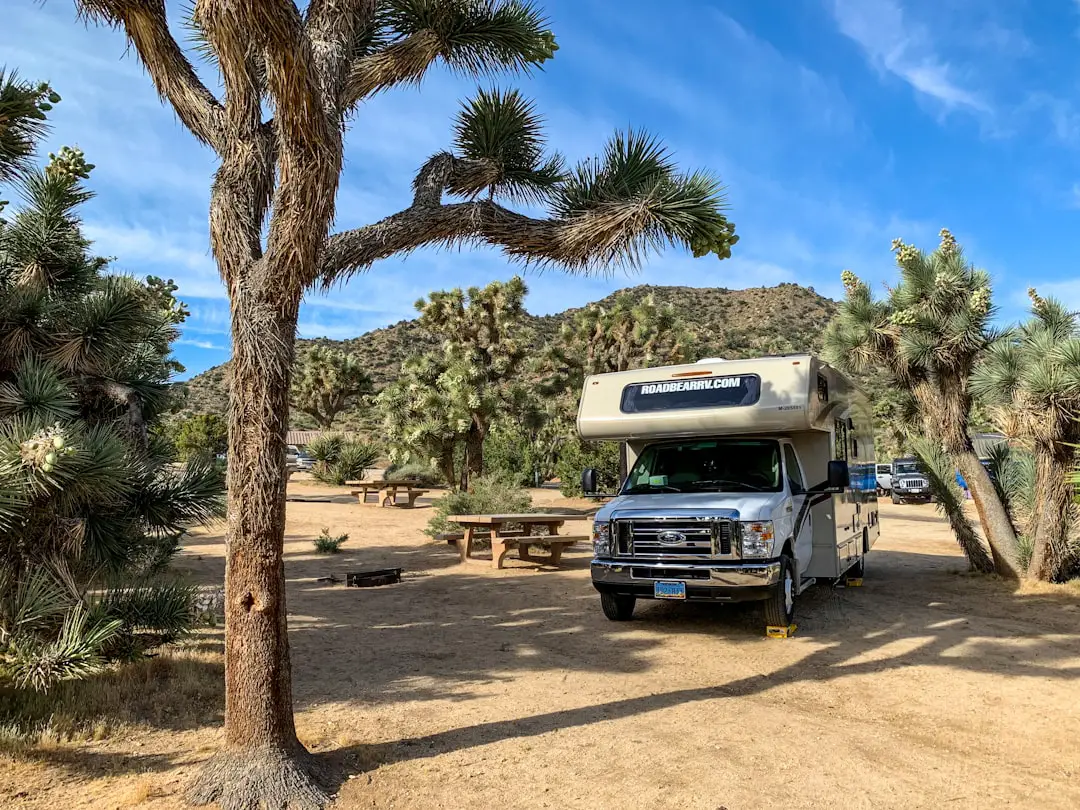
(301, 438)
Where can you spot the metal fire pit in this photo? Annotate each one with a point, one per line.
(371, 579)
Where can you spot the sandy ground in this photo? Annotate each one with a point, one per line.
(464, 687)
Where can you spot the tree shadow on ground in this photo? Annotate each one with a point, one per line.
(450, 631)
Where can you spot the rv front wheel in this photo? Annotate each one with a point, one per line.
(780, 606)
(617, 607)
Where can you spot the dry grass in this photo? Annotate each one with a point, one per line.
(179, 689)
(139, 792)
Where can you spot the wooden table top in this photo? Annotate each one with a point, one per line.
(530, 517)
(381, 484)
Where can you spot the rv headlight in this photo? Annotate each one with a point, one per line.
(601, 539)
(757, 538)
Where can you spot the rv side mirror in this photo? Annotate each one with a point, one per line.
(588, 481)
(839, 475)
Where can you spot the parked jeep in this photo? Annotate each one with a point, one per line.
(909, 482)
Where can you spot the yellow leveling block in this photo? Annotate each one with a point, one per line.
(774, 631)
(854, 582)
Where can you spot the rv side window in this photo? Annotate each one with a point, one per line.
(794, 474)
(706, 392)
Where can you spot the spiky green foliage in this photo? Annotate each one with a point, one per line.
(89, 504)
(23, 111)
(924, 339)
(950, 501)
(419, 472)
(326, 382)
(1031, 381)
(326, 543)
(444, 405)
(339, 459)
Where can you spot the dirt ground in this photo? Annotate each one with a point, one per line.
(465, 687)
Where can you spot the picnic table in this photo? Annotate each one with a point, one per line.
(503, 541)
(387, 492)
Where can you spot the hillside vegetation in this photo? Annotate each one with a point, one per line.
(726, 323)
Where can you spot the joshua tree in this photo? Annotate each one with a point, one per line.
(1031, 378)
(481, 332)
(630, 332)
(423, 421)
(87, 499)
(326, 382)
(271, 209)
(928, 335)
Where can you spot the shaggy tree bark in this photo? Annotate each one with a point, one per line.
(1054, 505)
(945, 415)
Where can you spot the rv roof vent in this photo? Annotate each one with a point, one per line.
(712, 360)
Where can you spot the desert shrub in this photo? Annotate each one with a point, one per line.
(418, 472)
(487, 494)
(338, 460)
(577, 456)
(508, 453)
(325, 544)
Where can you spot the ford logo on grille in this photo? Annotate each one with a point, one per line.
(671, 538)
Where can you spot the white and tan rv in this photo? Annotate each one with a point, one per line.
(748, 480)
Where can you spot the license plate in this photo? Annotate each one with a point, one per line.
(669, 590)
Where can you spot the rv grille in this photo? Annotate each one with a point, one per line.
(685, 538)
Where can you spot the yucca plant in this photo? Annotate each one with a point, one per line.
(926, 337)
(89, 506)
(1031, 380)
(339, 459)
(1013, 474)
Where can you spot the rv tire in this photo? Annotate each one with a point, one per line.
(617, 607)
(779, 608)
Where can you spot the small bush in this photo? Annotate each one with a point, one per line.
(487, 494)
(339, 460)
(325, 544)
(418, 472)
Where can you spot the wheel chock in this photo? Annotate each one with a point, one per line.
(853, 582)
(779, 631)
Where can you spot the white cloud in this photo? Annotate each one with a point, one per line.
(898, 45)
(202, 344)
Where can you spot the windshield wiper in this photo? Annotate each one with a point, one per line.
(641, 489)
(717, 482)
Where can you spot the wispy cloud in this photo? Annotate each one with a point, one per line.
(202, 344)
(898, 45)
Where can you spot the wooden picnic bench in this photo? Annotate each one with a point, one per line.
(504, 541)
(387, 492)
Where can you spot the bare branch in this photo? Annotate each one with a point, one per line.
(147, 28)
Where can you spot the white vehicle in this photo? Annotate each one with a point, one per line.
(884, 479)
(748, 480)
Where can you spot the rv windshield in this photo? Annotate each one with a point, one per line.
(714, 465)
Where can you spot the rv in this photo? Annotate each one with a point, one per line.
(748, 480)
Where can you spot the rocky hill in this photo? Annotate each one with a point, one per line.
(728, 323)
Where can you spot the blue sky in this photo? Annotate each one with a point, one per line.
(836, 125)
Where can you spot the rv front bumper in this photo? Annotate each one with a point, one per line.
(722, 582)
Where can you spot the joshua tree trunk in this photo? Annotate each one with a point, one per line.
(474, 453)
(1053, 499)
(992, 515)
(262, 760)
(945, 415)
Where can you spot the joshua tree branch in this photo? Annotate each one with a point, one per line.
(146, 25)
(402, 62)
